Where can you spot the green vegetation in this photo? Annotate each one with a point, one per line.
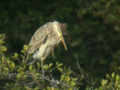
(15, 73)
(94, 32)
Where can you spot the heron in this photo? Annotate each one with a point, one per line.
(45, 40)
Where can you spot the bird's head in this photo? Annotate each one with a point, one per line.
(59, 29)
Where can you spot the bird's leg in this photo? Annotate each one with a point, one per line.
(52, 52)
(32, 62)
(42, 69)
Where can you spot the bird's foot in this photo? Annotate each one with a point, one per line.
(43, 73)
(32, 62)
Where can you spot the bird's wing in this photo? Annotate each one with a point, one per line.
(38, 38)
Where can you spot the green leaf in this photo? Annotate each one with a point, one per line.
(46, 67)
(3, 48)
(12, 65)
(30, 67)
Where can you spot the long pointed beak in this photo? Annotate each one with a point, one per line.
(57, 29)
(64, 44)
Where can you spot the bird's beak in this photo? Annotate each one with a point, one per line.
(59, 33)
(64, 44)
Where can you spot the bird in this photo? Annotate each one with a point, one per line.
(45, 40)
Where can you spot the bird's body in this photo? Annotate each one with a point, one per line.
(44, 50)
(45, 39)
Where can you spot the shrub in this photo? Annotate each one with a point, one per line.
(16, 74)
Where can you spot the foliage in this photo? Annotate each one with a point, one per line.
(111, 82)
(94, 30)
(15, 73)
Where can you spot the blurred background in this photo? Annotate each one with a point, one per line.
(93, 26)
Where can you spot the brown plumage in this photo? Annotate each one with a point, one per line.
(46, 38)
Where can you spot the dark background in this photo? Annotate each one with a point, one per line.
(93, 25)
